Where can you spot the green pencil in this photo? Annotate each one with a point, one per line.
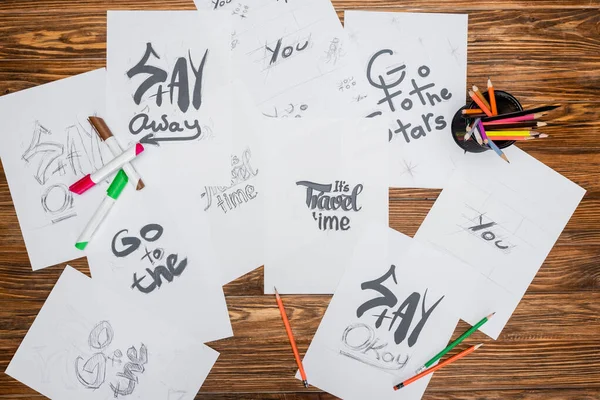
(455, 343)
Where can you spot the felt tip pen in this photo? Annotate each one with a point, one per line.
(112, 194)
(90, 180)
(115, 148)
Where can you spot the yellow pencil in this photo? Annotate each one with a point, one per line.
(511, 133)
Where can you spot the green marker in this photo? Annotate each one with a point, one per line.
(454, 344)
(112, 194)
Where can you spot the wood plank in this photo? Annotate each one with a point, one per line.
(546, 38)
(558, 274)
(531, 84)
(430, 394)
(379, 5)
(555, 394)
(538, 318)
(259, 357)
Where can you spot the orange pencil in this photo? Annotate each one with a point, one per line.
(492, 97)
(288, 329)
(469, 111)
(440, 365)
(481, 97)
(480, 103)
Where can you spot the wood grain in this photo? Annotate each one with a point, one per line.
(547, 51)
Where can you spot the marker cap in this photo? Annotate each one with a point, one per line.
(82, 185)
(117, 185)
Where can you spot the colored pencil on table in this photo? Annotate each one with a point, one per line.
(471, 111)
(480, 103)
(493, 145)
(440, 365)
(455, 343)
(492, 96)
(288, 329)
(481, 97)
(533, 113)
(513, 126)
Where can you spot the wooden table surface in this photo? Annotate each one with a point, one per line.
(547, 51)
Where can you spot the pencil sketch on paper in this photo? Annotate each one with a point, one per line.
(74, 152)
(290, 110)
(360, 341)
(327, 198)
(233, 196)
(335, 51)
(479, 224)
(123, 245)
(422, 91)
(91, 373)
(157, 85)
(409, 168)
(346, 84)
(240, 10)
(176, 394)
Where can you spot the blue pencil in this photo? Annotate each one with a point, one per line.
(491, 143)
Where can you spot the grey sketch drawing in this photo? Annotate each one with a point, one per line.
(369, 351)
(92, 372)
(77, 152)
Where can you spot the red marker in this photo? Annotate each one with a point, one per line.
(115, 164)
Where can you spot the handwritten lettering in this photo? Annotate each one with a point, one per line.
(228, 197)
(423, 94)
(287, 51)
(341, 198)
(404, 314)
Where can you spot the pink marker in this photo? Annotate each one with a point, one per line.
(115, 164)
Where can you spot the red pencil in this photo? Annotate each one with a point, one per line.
(288, 329)
(440, 365)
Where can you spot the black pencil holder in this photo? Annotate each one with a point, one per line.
(505, 103)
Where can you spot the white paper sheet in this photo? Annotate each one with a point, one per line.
(159, 255)
(294, 57)
(235, 210)
(395, 308)
(325, 181)
(89, 343)
(416, 65)
(503, 219)
(47, 144)
(164, 69)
